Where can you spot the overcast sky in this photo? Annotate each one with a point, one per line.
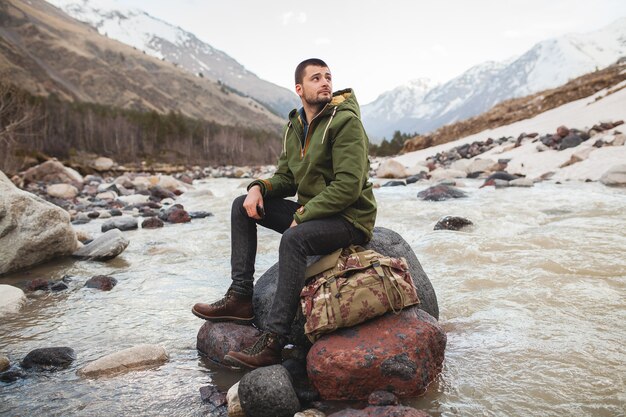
(372, 45)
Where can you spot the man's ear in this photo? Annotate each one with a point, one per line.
(299, 89)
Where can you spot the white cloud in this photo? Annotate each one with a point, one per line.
(290, 16)
(322, 41)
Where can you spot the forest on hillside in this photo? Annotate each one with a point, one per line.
(31, 126)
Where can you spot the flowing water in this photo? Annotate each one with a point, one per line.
(533, 300)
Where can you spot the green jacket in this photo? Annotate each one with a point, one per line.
(330, 173)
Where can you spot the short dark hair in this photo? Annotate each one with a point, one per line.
(307, 62)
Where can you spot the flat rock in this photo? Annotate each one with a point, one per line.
(440, 193)
(122, 223)
(267, 392)
(53, 171)
(152, 223)
(134, 358)
(398, 353)
(65, 191)
(106, 246)
(49, 358)
(521, 182)
(391, 168)
(32, 230)
(133, 199)
(11, 299)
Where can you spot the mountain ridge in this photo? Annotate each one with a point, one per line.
(547, 64)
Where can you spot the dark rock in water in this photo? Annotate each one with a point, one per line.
(562, 131)
(104, 247)
(49, 358)
(382, 398)
(375, 411)
(199, 214)
(398, 353)
(80, 221)
(122, 223)
(115, 212)
(417, 177)
(148, 212)
(101, 282)
(93, 214)
(164, 213)
(215, 340)
(210, 394)
(499, 175)
(58, 286)
(11, 375)
(267, 392)
(152, 223)
(305, 392)
(393, 183)
(440, 193)
(384, 241)
(452, 223)
(38, 284)
(570, 141)
(159, 193)
(599, 143)
(179, 216)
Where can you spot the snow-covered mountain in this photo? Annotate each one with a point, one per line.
(548, 64)
(165, 41)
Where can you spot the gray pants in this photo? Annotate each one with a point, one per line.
(315, 237)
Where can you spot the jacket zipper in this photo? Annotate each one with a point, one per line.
(308, 135)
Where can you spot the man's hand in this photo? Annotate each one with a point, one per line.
(253, 199)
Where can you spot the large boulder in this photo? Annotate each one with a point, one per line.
(106, 246)
(391, 169)
(32, 230)
(11, 299)
(400, 353)
(53, 172)
(384, 241)
(136, 357)
(215, 340)
(440, 192)
(267, 392)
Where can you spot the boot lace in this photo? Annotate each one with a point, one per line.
(262, 342)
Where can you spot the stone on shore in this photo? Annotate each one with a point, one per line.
(49, 358)
(391, 168)
(215, 340)
(521, 182)
(102, 164)
(4, 363)
(122, 223)
(134, 358)
(152, 223)
(106, 246)
(311, 412)
(65, 191)
(53, 171)
(440, 193)
(399, 353)
(615, 176)
(32, 230)
(11, 299)
(234, 404)
(267, 392)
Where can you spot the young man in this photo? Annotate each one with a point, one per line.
(324, 161)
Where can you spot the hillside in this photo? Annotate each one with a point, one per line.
(527, 107)
(173, 44)
(46, 52)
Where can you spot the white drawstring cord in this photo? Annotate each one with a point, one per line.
(285, 139)
(328, 125)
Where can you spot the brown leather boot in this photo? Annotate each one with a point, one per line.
(232, 307)
(266, 351)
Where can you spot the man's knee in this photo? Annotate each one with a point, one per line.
(291, 238)
(238, 204)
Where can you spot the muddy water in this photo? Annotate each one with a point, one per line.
(533, 299)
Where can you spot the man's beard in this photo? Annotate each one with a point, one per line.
(316, 99)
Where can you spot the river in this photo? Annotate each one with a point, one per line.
(533, 300)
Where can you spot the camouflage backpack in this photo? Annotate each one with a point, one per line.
(352, 285)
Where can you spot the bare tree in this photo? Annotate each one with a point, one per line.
(16, 114)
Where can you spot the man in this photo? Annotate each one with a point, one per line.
(324, 160)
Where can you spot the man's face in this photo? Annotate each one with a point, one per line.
(317, 86)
